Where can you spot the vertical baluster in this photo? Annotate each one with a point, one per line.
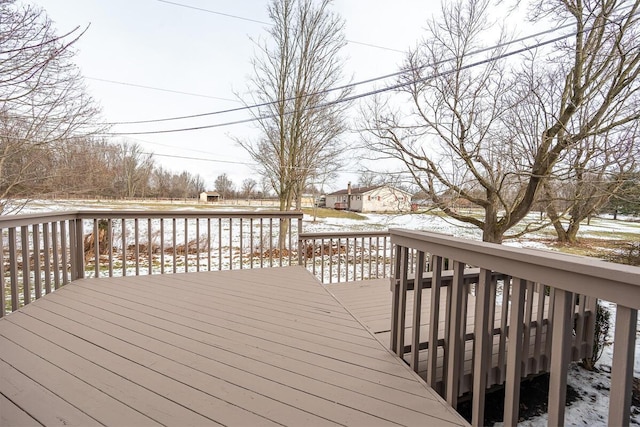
(261, 242)
(560, 356)
(231, 244)
(417, 314)
(330, 260)
(537, 346)
(355, 258)
(384, 257)
(270, 242)
(528, 315)
(96, 248)
(124, 247)
(56, 260)
(622, 369)
(506, 290)
(219, 244)
(26, 271)
(549, 329)
(370, 260)
(110, 245)
(322, 260)
(186, 245)
(458, 320)
(241, 246)
(35, 237)
(578, 348)
(251, 248)
(592, 308)
(13, 269)
(395, 299)
(209, 244)
(136, 242)
(290, 231)
(63, 250)
(514, 353)
(280, 244)
(402, 302)
(338, 268)
(174, 243)
(483, 339)
(434, 319)
(149, 247)
(198, 244)
(162, 246)
(46, 243)
(347, 252)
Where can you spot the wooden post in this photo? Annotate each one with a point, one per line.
(514, 354)
(624, 344)
(434, 319)
(456, 337)
(417, 312)
(560, 356)
(483, 339)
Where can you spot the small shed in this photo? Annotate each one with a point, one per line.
(378, 198)
(210, 196)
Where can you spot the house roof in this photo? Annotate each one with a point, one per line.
(364, 190)
(211, 193)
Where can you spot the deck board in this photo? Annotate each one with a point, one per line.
(250, 347)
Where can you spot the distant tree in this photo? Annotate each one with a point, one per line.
(587, 176)
(249, 186)
(224, 186)
(626, 200)
(135, 170)
(42, 98)
(301, 118)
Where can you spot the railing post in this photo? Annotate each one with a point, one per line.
(560, 355)
(434, 320)
(78, 267)
(622, 370)
(417, 312)
(514, 353)
(456, 339)
(483, 339)
(402, 301)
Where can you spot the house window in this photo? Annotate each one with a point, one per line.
(378, 198)
(369, 198)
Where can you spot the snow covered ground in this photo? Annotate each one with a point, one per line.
(591, 409)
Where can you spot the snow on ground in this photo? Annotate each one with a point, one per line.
(590, 410)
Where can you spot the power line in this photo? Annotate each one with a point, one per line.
(343, 87)
(265, 23)
(354, 97)
(160, 89)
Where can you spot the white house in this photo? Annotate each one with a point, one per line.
(379, 198)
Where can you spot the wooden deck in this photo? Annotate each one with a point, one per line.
(370, 302)
(251, 347)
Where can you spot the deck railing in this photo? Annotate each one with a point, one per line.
(346, 256)
(563, 289)
(41, 252)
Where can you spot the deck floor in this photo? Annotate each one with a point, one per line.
(250, 347)
(370, 302)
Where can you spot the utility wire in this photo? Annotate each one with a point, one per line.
(265, 23)
(343, 87)
(160, 89)
(354, 97)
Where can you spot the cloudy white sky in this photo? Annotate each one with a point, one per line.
(207, 56)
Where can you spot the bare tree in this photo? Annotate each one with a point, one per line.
(592, 172)
(135, 170)
(249, 186)
(42, 99)
(224, 186)
(301, 118)
(492, 136)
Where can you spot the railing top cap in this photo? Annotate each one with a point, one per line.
(546, 258)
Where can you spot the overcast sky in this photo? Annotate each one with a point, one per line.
(158, 44)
